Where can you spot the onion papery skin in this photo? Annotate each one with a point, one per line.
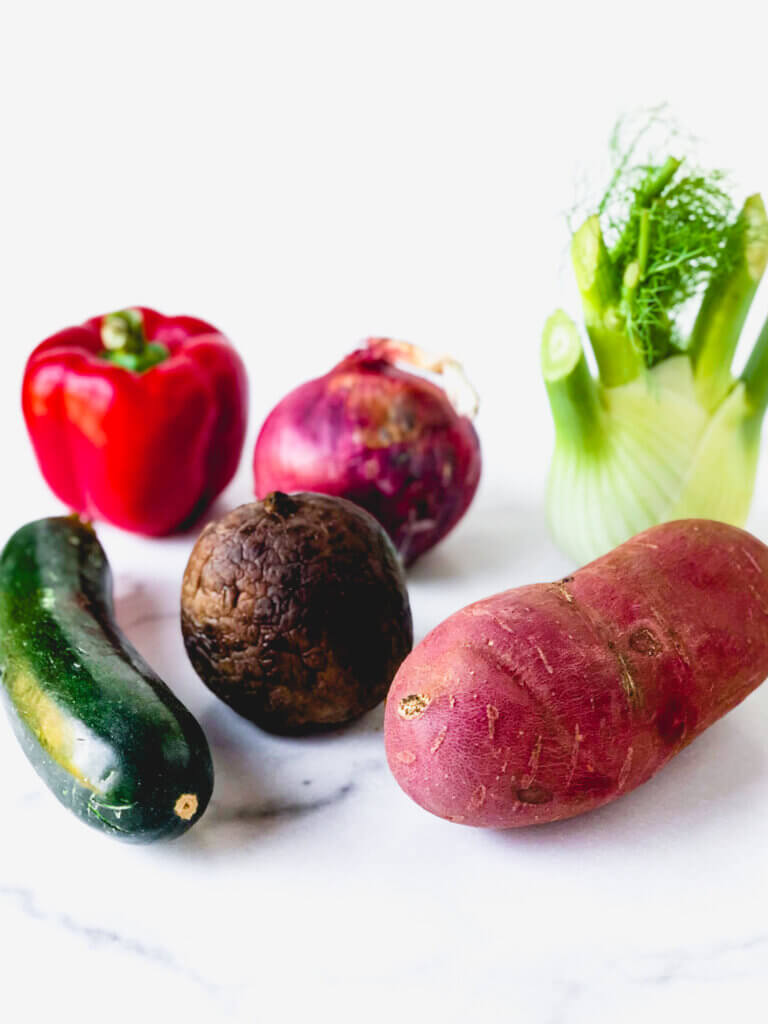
(376, 434)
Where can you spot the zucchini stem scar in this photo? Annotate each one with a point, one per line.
(186, 806)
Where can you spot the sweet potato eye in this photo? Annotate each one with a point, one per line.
(534, 794)
(413, 705)
(672, 721)
(645, 642)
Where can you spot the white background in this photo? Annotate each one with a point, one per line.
(304, 175)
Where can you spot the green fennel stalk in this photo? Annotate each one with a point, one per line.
(665, 431)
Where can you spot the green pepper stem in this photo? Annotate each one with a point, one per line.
(572, 392)
(124, 330)
(125, 342)
(618, 359)
(726, 304)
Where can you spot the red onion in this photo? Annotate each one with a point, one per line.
(389, 440)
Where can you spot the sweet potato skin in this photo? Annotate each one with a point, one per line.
(549, 700)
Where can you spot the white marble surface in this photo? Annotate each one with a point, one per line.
(304, 174)
(314, 887)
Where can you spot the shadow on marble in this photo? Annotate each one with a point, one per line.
(495, 536)
(148, 614)
(139, 603)
(220, 507)
(686, 796)
(265, 783)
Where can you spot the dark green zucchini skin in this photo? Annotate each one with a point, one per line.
(98, 724)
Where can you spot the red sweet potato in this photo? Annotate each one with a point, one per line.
(549, 700)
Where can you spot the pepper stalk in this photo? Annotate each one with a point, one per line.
(125, 342)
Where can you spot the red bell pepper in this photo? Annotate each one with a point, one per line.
(137, 418)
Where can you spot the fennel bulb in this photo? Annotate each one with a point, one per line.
(665, 431)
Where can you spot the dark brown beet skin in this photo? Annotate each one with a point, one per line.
(549, 700)
(371, 432)
(295, 612)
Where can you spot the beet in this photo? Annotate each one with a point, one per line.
(295, 612)
(389, 440)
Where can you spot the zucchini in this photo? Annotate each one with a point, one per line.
(98, 724)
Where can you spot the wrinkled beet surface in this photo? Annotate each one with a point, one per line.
(295, 611)
(377, 435)
(549, 700)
